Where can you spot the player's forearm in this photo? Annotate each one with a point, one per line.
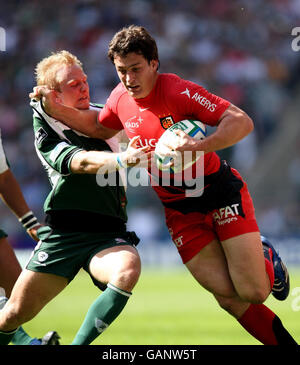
(12, 195)
(84, 121)
(232, 128)
(93, 162)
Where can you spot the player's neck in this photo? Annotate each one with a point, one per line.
(151, 92)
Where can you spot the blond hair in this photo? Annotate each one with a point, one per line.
(46, 69)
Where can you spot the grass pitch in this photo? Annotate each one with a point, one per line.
(167, 307)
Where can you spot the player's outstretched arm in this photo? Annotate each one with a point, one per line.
(84, 121)
(93, 162)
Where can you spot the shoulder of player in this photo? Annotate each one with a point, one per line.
(175, 85)
(183, 90)
(169, 78)
(174, 89)
(117, 94)
(38, 120)
(177, 82)
(42, 129)
(38, 113)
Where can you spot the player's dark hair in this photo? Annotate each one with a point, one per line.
(133, 39)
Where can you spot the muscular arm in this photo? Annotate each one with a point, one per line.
(11, 194)
(89, 162)
(84, 121)
(233, 126)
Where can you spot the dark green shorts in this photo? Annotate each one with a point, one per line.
(65, 253)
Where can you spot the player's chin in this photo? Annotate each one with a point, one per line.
(136, 92)
(83, 104)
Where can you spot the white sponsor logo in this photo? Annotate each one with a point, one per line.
(143, 109)
(133, 123)
(200, 99)
(148, 142)
(226, 215)
(204, 102)
(186, 92)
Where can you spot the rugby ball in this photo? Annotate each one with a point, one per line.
(174, 162)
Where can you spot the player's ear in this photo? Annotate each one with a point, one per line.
(154, 64)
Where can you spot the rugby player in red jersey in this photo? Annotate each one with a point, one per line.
(228, 257)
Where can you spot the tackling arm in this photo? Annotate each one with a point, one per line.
(93, 162)
(84, 121)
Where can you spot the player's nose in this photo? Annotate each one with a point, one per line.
(84, 87)
(130, 79)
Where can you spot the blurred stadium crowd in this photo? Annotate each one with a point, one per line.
(240, 50)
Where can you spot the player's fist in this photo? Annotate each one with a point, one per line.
(50, 98)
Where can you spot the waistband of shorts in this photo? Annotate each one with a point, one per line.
(216, 177)
(219, 188)
(83, 221)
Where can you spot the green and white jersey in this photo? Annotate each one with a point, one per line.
(75, 198)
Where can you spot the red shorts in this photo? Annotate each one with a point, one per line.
(191, 231)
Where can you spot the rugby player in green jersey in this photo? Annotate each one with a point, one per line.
(85, 222)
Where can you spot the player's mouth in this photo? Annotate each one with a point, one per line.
(83, 103)
(84, 98)
(133, 89)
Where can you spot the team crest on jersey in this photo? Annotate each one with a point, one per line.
(166, 122)
(40, 135)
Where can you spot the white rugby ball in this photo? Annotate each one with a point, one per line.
(181, 161)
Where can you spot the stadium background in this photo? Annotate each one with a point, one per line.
(240, 50)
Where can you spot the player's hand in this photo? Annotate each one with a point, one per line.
(50, 98)
(33, 232)
(182, 142)
(135, 155)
